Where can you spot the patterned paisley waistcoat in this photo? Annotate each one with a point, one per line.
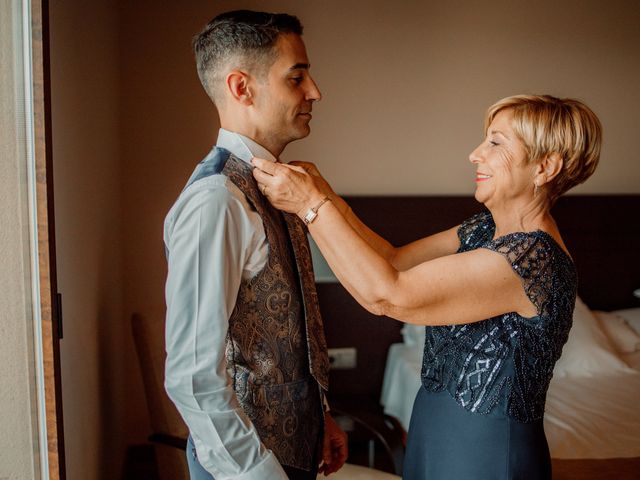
(275, 348)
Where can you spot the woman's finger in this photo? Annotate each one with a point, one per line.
(296, 168)
(262, 177)
(308, 167)
(265, 165)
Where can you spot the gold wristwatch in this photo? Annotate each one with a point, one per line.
(312, 213)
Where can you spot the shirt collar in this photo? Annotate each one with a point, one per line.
(242, 147)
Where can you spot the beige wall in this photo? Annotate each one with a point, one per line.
(405, 89)
(95, 350)
(405, 85)
(18, 414)
(406, 80)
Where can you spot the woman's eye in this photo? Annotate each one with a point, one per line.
(492, 143)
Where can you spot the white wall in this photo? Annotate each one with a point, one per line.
(18, 417)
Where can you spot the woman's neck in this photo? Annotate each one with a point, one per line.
(522, 217)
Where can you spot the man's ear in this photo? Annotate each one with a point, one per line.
(548, 168)
(237, 83)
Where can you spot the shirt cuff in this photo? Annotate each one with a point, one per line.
(268, 468)
(325, 403)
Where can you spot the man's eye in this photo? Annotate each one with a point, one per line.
(297, 80)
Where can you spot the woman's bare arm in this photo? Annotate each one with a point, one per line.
(402, 258)
(458, 288)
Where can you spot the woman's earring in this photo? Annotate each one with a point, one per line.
(535, 189)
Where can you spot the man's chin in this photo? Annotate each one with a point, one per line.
(302, 132)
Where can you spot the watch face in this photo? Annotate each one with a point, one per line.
(310, 216)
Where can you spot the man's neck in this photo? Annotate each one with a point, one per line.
(254, 135)
(242, 146)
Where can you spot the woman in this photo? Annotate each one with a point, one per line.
(496, 292)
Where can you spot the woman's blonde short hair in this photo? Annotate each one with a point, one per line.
(548, 125)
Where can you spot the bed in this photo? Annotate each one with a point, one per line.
(592, 417)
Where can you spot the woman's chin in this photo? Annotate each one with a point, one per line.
(486, 199)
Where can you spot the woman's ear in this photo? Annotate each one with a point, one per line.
(548, 168)
(237, 83)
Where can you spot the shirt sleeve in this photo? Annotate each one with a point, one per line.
(208, 235)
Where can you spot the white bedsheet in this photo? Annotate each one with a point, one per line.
(586, 417)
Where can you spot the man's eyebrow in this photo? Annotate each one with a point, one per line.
(300, 66)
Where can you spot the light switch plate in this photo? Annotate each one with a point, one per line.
(342, 358)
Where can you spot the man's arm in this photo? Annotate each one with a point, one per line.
(207, 237)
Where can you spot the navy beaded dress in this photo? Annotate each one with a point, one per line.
(478, 415)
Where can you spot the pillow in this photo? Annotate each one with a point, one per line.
(631, 316)
(588, 351)
(622, 336)
(413, 335)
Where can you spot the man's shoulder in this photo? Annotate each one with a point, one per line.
(214, 193)
(209, 189)
(216, 190)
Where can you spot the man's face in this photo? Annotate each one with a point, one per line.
(283, 100)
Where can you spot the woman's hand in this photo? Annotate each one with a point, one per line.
(292, 188)
(318, 180)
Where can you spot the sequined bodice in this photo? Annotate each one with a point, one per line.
(503, 365)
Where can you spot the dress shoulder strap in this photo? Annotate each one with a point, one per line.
(475, 231)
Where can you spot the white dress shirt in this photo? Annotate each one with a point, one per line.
(214, 239)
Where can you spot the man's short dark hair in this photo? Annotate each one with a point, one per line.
(244, 37)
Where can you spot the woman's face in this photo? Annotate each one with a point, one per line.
(502, 171)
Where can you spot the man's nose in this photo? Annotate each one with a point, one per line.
(313, 92)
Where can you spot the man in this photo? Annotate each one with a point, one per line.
(247, 365)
